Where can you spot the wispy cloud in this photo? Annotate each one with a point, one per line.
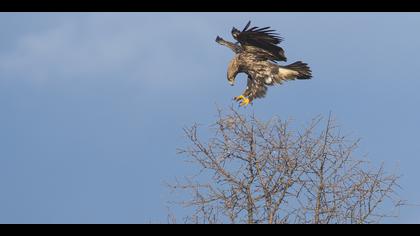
(97, 45)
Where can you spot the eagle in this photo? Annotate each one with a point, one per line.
(257, 54)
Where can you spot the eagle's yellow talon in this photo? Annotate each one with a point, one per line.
(245, 102)
(240, 97)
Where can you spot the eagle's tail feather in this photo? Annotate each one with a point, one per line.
(302, 68)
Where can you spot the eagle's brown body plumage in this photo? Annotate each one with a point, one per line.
(256, 56)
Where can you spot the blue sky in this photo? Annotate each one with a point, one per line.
(93, 104)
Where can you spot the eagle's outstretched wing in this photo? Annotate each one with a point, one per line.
(258, 35)
(234, 47)
(260, 40)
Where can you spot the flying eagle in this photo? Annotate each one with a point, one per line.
(256, 54)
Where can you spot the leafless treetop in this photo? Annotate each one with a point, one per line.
(252, 171)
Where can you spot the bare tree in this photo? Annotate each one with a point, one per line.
(250, 171)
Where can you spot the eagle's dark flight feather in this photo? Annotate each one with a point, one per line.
(263, 38)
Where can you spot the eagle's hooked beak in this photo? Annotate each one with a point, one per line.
(231, 82)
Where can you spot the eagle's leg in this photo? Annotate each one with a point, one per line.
(239, 98)
(245, 97)
(244, 100)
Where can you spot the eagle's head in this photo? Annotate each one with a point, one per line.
(233, 70)
(235, 32)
